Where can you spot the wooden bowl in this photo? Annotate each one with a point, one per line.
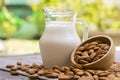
(104, 62)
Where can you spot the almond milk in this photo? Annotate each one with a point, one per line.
(57, 42)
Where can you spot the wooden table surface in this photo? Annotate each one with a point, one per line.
(28, 59)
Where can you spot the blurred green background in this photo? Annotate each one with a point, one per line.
(24, 19)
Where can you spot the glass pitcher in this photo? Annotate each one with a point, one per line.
(60, 36)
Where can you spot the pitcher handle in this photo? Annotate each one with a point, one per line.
(85, 28)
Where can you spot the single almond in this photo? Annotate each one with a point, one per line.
(80, 73)
(9, 66)
(83, 62)
(34, 76)
(81, 48)
(19, 63)
(52, 75)
(13, 69)
(14, 73)
(85, 53)
(93, 55)
(91, 51)
(40, 72)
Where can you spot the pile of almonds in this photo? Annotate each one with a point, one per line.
(91, 52)
(34, 71)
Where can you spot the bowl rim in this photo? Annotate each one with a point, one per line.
(104, 36)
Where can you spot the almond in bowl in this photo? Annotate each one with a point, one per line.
(97, 52)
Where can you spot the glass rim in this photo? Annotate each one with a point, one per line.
(58, 12)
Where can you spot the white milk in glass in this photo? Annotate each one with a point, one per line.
(57, 43)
